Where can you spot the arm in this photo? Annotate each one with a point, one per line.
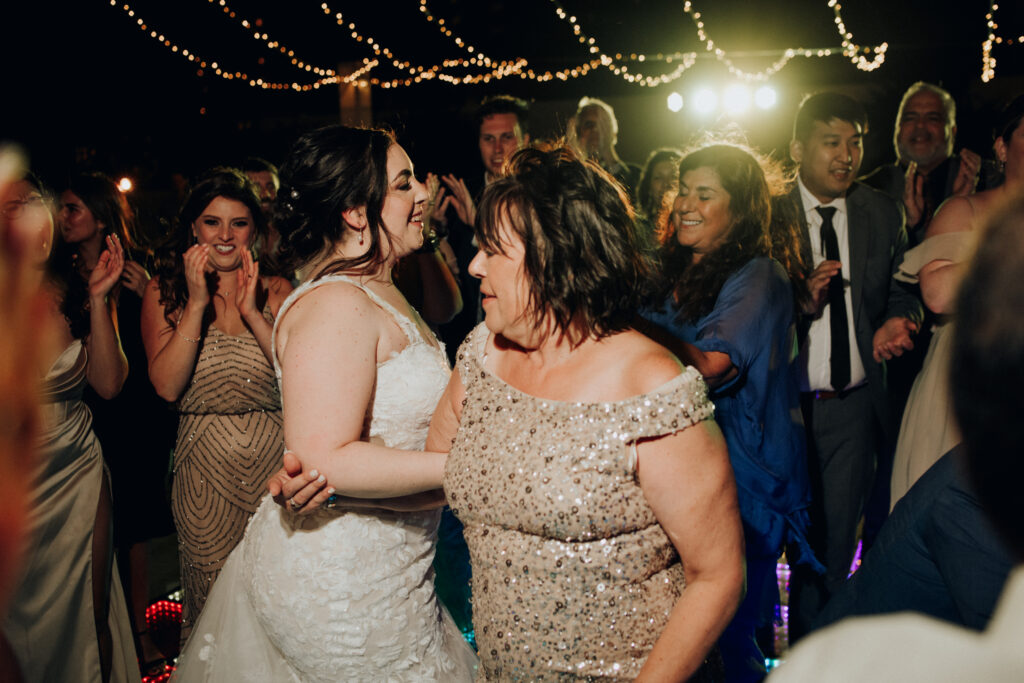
(441, 299)
(248, 283)
(716, 367)
(326, 393)
(688, 482)
(172, 351)
(940, 279)
(307, 491)
(108, 367)
(900, 301)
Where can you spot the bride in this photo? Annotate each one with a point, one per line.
(344, 594)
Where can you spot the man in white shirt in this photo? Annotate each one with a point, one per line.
(987, 373)
(858, 318)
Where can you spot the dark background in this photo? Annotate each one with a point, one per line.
(83, 87)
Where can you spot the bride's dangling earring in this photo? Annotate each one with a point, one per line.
(361, 236)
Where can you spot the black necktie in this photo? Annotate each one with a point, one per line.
(840, 356)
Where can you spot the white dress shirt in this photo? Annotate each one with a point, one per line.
(815, 368)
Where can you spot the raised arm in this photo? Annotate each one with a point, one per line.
(172, 351)
(688, 482)
(329, 365)
(108, 367)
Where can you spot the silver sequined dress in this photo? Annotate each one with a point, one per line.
(573, 578)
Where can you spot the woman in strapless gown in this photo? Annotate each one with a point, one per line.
(68, 620)
(344, 593)
(207, 320)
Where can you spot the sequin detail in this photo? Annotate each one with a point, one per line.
(229, 443)
(573, 578)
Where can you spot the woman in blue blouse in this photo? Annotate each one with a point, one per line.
(730, 277)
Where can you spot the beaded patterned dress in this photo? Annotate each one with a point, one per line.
(573, 578)
(229, 444)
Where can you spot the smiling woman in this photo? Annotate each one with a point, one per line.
(206, 326)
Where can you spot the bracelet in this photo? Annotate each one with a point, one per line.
(190, 340)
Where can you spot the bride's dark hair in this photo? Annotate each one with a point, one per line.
(327, 172)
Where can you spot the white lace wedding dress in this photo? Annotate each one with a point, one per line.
(339, 596)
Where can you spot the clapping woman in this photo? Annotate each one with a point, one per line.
(206, 325)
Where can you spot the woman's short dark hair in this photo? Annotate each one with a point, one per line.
(757, 229)
(220, 181)
(584, 263)
(327, 172)
(644, 200)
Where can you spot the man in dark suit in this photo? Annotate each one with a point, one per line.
(858, 317)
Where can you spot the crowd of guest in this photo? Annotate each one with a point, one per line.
(573, 413)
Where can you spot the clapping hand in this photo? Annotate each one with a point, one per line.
(437, 203)
(817, 285)
(893, 338)
(967, 177)
(247, 278)
(461, 199)
(108, 269)
(913, 194)
(196, 259)
(135, 277)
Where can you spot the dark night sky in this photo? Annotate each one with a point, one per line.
(85, 87)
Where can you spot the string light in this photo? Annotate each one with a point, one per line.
(988, 62)
(216, 69)
(419, 73)
(851, 49)
(479, 57)
(273, 44)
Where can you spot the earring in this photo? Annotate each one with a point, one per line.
(361, 236)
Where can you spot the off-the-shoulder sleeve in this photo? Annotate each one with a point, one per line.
(469, 358)
(752, 309)
(949, 246)
(681, 403)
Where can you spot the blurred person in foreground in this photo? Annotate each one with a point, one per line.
(68, 619)
(987, 371)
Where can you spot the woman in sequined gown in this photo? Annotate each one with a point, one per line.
(206, 326)
(596, 492)
(344, 594)
(67, 620)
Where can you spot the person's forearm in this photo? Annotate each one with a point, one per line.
(427, 500)
(108, 367)
(171, 369)
(695, 624)
(264, 332)
(442, 299)
(365, 470)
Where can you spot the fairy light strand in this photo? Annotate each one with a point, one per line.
(204, 64)
(478, 56)
(988, 62)
(270, 43)
(856, 53)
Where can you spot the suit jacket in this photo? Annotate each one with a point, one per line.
(878, 241)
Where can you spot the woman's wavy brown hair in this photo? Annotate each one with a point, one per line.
(763, 224)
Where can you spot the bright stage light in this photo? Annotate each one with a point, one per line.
(675, 102)
(125, 185)
(705, 100)
(736, 99)
(766, 97)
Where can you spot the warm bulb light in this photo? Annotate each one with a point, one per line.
(736, 99)
(125, 185)
(765, 97)
(675, 102)
(705, 100)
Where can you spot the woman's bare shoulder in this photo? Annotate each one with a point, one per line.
(644, 364)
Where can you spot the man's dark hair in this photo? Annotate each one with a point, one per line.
(257, 165)
(504, 104)
(988, 370)
(825, 106)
